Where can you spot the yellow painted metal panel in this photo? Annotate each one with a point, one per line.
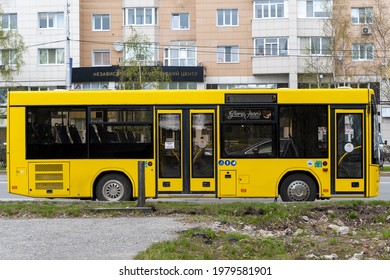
(227, 183)
(169, 97)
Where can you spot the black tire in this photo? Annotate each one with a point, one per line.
(298, 187)
(113, 187)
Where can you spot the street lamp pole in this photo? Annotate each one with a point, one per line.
(67, 50)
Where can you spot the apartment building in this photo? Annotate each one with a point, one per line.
(43, 27)
(260, 43)
(202, 44)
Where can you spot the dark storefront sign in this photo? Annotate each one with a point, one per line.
(108, 74)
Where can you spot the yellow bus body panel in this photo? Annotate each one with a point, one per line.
(75, 178)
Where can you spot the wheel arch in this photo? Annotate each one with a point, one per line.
(117, 172)
(305, 172)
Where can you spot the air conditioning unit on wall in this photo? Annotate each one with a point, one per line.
(366, 30)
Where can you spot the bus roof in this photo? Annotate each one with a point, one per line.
(201, 97)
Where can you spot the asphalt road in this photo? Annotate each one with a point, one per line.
(95, 238)
(5, 196)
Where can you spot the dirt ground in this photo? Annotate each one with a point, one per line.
(328, 232)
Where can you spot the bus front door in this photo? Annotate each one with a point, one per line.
(186, 156)
(349, 154)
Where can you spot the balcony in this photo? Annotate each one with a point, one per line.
(273, 65)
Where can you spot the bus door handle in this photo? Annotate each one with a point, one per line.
(228, 176)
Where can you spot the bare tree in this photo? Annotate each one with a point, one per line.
(380, 30)
(330, 56)
(137, 70)
(339, 27)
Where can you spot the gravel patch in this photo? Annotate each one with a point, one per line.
(83, 238)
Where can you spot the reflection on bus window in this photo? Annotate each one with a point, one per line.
(120, 133)
(349, 146)
(63, 132)
(306, 128)
(56, 132)
(252, 132)
(253, 140)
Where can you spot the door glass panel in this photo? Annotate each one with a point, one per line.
(349, 146)
(170, 149)
(202, 146)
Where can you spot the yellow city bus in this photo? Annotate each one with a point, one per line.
(299, 144)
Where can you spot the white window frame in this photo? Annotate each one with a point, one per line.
(316, 9)
(180, 21)
(227, 17)
(271, 46)
(141, 16)
(101, 57)
(179, 85)
(180, 56)
(99, 21)
(10, 58)
(228, 54)
(362, 52)
(9, 21)
(46, 56)
(52, 20)
(149, 51)
(365, 13)
(268, 9)
(315, 46)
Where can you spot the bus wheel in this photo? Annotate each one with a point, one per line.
(113, 187)
(298, 187)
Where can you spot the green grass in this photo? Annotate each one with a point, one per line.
(385, 168)
(205, 244)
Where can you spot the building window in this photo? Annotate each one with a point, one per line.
(227, 54)
(362, 51)
(141, 16)
(7, 57)
(318, 8)
(269, 8)
(271, 46)
(101, 58)
(181, 21)
(362, 15)
(101, 22)
(143, 54)
(9, 21)
(227, 17)
(180, 56)
(178, 85)
(51, 56)
(51, 20)
(316, 45)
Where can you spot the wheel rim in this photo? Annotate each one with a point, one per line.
(113, 190)
(298, 191)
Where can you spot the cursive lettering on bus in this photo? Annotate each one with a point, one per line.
(254, 115)
(248, 114)
(236, 115)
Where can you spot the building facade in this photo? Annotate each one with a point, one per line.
(202, 44)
